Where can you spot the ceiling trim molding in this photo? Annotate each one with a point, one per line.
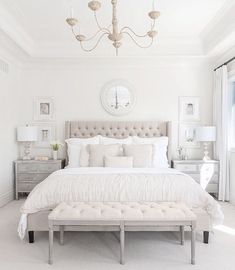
(13, 29)
(219, 34)
(117, 63)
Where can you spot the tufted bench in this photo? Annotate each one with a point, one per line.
(122, 216)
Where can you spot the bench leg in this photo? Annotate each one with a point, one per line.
(193, 237)
(31, 237)
(122, 243)
(51, 234)
(182, 235)
(61, 235)
(205, 237)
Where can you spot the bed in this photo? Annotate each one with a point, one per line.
(109, 184)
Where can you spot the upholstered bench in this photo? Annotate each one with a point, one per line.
(121, 216)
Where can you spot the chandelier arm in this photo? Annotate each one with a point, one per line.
(128, 28)
(98, 24)
(92, 37)
(143, 47)
(97, 43)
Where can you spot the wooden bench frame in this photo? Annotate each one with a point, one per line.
(121, 226)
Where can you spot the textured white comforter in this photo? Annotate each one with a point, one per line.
(108, 184)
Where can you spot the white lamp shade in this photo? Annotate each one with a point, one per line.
(27, 134)
(206, 134)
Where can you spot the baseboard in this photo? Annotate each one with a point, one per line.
(6, 197)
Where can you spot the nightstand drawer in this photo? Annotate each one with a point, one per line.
(186, 167)
(22, 177)
(27, 167)
(26, 186)
(49, 167)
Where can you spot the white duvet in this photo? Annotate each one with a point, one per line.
(109, 184)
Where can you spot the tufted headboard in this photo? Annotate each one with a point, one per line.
(118, 129)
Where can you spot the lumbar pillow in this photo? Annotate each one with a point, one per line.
(97, 153)
(141, 153)
(118, 162)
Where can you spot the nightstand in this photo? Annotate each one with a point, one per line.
(29, 173)
(206, 173)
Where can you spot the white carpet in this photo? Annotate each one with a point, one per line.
(96, 251)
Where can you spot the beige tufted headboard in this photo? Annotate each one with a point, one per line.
(119, 129)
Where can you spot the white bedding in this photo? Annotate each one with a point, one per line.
(110, 184)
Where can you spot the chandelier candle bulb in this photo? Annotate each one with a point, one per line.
(71, 12)
(154, 4)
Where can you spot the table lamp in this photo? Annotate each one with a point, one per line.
(27, 134)
(206, 134)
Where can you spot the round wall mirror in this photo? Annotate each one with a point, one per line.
(117, 98)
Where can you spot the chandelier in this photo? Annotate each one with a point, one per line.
(112, 32)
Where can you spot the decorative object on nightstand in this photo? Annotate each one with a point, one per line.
(182, 153)
(55, 147)
(29, 173)
(206, 135)
(206, 173)
(27, 134)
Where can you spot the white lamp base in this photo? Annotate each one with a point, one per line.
(206, 152)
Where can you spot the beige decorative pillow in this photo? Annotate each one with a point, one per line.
(141, 153)
(98, 152)
(118, 162)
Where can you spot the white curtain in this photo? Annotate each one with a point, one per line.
(221, 116)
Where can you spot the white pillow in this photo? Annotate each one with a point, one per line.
(107, 140)
(118, 162)
(77, 153)
(73, 151)
(160, 145)
(93, 140)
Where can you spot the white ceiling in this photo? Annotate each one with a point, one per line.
(42, 24)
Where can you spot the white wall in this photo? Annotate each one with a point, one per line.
(9, 115)
(76, 85)
(157, 84)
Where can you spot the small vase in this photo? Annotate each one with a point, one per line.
(55, 155)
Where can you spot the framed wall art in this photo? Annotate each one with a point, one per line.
(46, 134)
(189, 109)
(44, 109)
(187, 135)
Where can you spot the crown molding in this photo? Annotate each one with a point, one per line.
(12, 28)
(219, 34)
(117, 63)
